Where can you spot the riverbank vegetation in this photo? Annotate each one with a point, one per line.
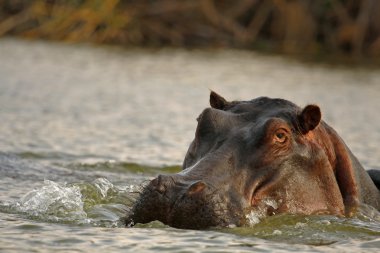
(339, 27)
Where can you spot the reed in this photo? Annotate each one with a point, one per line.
(341, 27)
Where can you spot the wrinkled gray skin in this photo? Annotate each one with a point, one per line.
(264, 154)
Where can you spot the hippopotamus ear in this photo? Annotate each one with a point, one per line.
(217, 101)
(309, 118)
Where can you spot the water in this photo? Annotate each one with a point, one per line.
(83, 128)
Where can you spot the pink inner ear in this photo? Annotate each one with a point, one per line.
(309, 118)
(217, 101)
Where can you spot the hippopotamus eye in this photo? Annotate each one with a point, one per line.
(280, 136)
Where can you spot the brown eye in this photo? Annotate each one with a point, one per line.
(280, 136)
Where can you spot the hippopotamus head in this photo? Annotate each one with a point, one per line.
(266, 156)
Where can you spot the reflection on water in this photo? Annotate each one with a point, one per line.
(83, 128)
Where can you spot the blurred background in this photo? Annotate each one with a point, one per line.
(123, 80)
(349, 28)
(99, 96)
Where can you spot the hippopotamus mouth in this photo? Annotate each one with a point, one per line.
(266, 156)
(193, 205)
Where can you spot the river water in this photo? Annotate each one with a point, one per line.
(83, 127)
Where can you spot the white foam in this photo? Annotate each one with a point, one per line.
(103, 186)
(53, 201)
(260, 211)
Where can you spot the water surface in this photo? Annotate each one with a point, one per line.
(82, 128)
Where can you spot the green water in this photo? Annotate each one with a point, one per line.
(82, 129)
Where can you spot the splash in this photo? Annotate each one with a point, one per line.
(261, 211)
(103, 185)
(367, 213)
(107, 204)
(98, 203)
(53, 202)
(255, 216)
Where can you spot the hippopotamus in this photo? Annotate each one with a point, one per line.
(266, 155)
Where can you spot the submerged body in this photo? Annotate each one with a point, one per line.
(264, 154)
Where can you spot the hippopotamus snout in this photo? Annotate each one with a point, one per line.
(183, 203)
(167, 185)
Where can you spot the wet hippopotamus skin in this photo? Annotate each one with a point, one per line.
(264, 154)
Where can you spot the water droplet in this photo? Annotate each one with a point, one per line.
(53, 202)
(103, 186)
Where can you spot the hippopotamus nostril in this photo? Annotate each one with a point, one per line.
(161, 183)
(157, 186)
(196, 187)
